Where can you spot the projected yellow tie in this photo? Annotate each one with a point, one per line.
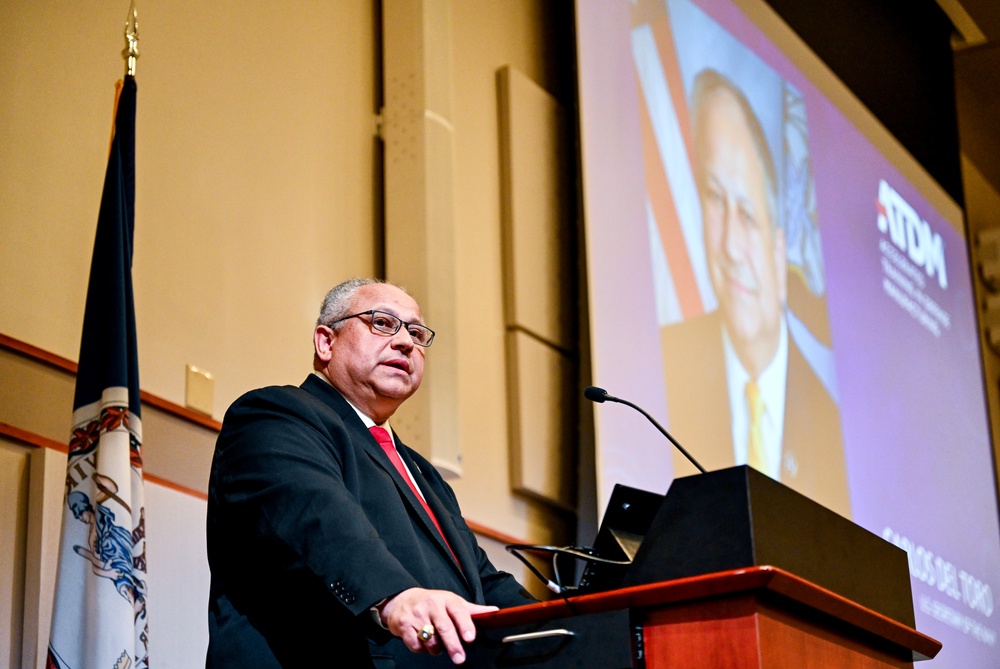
(756, 455)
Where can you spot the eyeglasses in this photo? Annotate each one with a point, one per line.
(388, 324)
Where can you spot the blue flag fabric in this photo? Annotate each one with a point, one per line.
(99, 616)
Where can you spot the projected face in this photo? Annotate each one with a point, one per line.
(745, 250)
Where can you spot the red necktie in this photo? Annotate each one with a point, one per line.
(385, 441)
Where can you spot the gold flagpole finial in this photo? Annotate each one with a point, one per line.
(131, 52)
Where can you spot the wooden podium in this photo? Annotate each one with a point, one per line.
(735, 571)
(758, 617)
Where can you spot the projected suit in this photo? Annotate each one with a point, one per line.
(812, 460)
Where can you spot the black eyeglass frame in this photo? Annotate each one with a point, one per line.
(387, 331)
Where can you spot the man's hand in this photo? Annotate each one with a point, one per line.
(409, 611)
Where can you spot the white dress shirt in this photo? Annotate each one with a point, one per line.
(772, 384)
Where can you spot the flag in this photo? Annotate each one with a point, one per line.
(99, 618)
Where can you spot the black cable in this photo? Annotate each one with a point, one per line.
(577, 552)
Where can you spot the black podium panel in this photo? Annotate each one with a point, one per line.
(607, 640)
(738, 517)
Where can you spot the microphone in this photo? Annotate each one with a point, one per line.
(600, 395)
(595, 394)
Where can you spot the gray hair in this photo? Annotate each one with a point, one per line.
(340, 300)
(710, 81)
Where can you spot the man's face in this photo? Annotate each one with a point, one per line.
(375, 371)
(745, 253)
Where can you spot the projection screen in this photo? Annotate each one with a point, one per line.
(777, 281)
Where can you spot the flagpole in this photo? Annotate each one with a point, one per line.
(99, 614)
(131, 51)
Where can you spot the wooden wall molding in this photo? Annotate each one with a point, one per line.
(66, 365)
(31, 439)
(63, 364)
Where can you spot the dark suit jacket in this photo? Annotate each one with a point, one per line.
(812, 450)
(309, 525)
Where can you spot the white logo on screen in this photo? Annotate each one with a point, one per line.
(910, 233)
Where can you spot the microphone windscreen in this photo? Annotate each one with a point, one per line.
(595, 394)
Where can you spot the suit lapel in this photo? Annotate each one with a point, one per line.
(361, 436)
(363, 439)
(444, 518)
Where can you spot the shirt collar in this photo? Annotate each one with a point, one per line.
(365, 418)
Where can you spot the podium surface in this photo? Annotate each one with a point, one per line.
(759, 616)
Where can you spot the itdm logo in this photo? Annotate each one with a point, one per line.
(910, 233)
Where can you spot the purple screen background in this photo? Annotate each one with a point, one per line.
(912, 404)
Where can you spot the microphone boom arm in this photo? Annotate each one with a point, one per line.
(662, 430)
(595, 394)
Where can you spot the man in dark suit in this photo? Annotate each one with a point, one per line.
(781, 419)
(331, 544)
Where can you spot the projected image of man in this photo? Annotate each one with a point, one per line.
(744, 246)
(782, 420)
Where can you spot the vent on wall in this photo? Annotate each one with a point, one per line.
(417, 130)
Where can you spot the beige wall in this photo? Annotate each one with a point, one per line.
(487, 35)
(14, 473)
(257, 190)
(256, 186)
(254, 176)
